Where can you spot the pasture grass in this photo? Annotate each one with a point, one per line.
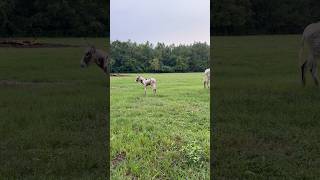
(160, 137)
(266, 125)
(52, 113)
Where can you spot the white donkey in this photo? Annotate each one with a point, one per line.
(310, 36)
(147, 82)
(206, 78)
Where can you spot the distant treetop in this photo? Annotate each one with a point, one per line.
(139, 58)
(58, 18)
(243, 17)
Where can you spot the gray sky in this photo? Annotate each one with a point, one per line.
(168, 21)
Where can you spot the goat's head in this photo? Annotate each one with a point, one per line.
(138, 79)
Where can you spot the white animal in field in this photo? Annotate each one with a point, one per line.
(206, 78)
(147, 82)
(310, 37)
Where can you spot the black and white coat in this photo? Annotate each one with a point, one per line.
(148, 82)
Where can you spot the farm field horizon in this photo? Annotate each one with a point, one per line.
(266, 125)
(53, 113)
(160, 137)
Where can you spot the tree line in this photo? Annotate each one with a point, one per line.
(91, 17)
(145, 57)
(54, 18)
(239, 17)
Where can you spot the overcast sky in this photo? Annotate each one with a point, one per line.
(168, 21)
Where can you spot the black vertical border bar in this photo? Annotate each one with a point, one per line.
(107, 116)
(212, 159)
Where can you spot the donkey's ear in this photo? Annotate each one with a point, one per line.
(93, 49)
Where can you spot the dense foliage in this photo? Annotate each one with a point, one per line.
(132, 57)
(91, 17)
(54, 18)
(235, 17)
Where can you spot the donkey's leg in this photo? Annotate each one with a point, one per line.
(303, 72)
(314, 73)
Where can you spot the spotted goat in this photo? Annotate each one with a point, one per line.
(147, 82)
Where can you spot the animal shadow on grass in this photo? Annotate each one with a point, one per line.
(160, 96)
(118, 159)
(141, 96)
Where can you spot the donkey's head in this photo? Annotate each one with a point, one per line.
(88, 56)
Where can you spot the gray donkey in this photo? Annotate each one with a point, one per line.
(206, 78)
(310, 37)
(95, 55)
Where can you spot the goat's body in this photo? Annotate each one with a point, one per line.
(148, 82)
(206, 78)
(311, 37)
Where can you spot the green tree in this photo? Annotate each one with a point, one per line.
(54, 18)
(155, 65)
(181, 64)
(132, 57)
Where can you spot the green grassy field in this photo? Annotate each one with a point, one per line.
(52, 114)
(160, 137)
(266, 125)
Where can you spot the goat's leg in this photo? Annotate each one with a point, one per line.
(145, 91)
(154, 89)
